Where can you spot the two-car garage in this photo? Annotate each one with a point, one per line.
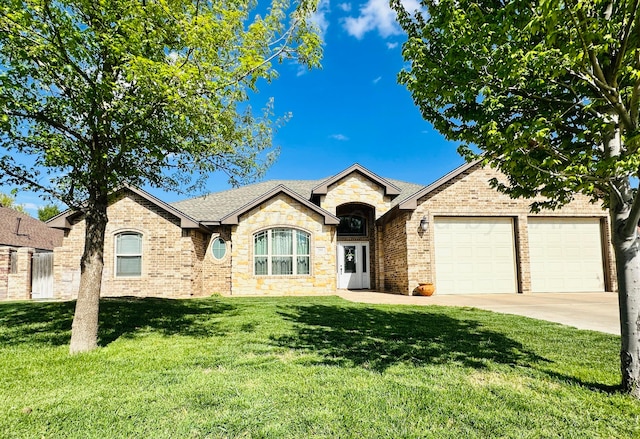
(480, 254)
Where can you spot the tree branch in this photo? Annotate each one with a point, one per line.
(41, 117)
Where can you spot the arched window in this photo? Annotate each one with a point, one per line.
(128, 254)
(281, 252)
(352, 225)
(218, 248)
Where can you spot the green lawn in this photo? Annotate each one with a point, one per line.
(306, 367)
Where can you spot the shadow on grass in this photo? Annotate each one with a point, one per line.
(50, 323)
(377, 339)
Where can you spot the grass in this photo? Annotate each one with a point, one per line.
(306, 367)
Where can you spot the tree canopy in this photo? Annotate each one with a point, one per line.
(539, 87)
(10, 202)
(139, 91)
(96, 95)
(548, 92)
(47, 212)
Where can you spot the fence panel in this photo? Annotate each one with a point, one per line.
(42, 276)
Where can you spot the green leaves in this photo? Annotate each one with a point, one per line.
(548, 90)
(123, 91)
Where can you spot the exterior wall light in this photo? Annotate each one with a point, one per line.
(424, 223)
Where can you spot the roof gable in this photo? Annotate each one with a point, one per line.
(389, 188)
(234, 217)
(62, 221)
(411, 202)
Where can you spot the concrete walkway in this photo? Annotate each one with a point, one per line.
(595, 311)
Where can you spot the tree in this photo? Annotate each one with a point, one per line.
(548, 93)
(47, 212)
(10, 202)
(98, 95)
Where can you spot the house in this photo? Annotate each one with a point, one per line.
(354, 230)
(23, 240)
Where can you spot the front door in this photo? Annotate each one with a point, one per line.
(353, 265)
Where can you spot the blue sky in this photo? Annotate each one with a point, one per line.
(350, 111)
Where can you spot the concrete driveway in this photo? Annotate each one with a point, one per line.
(595, 311)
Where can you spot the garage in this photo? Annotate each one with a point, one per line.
(474, 255)
(566, 255)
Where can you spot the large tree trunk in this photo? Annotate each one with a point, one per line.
(84, 330)
(627, 252)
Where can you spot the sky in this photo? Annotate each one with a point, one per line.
(351, 110)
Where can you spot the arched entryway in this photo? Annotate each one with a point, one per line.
(356, 250)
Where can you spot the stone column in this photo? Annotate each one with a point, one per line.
(20, 282)
(5, 268)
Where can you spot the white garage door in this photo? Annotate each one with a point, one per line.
(565, 255)
(474, 255)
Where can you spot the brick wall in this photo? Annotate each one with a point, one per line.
(469, 194)
(216, 273)
(395, 250)
(171, 262)
(18, 283)
(283, 211)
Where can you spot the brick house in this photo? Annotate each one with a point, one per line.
(22, 237)
(354, 230)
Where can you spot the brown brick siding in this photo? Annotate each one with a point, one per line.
(469, 194)
(216, 275)
(171, 262)
(396, 265)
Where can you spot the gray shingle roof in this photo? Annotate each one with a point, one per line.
(20, 230)
(214, 206)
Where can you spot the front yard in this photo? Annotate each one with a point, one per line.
(305, 367)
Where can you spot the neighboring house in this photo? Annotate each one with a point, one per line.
(22, 236)
(354, 230)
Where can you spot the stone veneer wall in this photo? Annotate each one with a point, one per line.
(216, 276)
(5, 267)
(356, 188)
(171, 262)
(283, 211)
(469, 194)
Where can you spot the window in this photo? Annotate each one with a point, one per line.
(352, 225)
(218, 248)
(281, 252)
(128, 254)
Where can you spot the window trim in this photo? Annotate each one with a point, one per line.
(270, 255)
(117, 255)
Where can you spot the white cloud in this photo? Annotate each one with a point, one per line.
(302, 70)
(346, 7)
(319, 18)
(376, 15)
(392, 45)
(375, 81)
(340, 137)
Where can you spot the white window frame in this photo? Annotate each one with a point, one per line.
(127, 255)
(270, 254)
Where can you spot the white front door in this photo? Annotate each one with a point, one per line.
(353, 265)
